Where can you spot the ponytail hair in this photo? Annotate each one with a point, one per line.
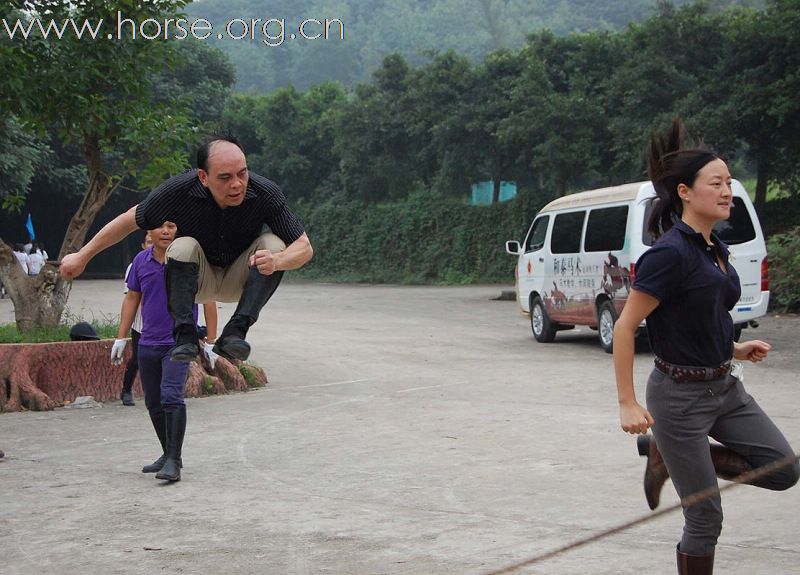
(672, 160)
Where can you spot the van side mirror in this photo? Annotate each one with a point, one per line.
(513, 248)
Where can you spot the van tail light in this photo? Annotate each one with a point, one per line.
(764, 275)
(633, 272)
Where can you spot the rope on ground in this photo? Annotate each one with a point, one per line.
(746, 477)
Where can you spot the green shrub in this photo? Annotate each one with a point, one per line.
(780, 215)
(784, 270)
(425, 238)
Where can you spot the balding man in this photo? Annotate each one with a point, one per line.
(222, 252)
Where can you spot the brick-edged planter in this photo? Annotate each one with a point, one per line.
(42, 376)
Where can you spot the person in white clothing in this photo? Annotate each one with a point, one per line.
(35, 263)
(22, 257)
(132, 367)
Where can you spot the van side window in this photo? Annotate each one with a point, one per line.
(605, 230)
(567, 228)
(538, 232)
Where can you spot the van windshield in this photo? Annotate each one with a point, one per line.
(737, 229)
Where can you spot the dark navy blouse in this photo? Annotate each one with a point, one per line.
(691, 325)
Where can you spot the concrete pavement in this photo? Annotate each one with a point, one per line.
(405, 430)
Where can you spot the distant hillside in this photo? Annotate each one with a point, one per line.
(374, 28)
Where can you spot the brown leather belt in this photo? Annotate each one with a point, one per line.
(690, 373)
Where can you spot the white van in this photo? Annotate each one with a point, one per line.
(577, 263)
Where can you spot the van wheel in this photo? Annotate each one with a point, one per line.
(606, 318)
(543, 329)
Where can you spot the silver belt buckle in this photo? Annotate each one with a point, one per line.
(737, 370)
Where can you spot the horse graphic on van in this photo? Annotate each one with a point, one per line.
(615, 277)
(559, 297)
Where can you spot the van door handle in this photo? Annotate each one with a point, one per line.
(541, 260)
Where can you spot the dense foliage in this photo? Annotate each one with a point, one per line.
(374, 29)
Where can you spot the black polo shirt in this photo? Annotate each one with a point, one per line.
(691, 325)
(224, 234)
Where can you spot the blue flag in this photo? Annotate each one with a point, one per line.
(29, 225)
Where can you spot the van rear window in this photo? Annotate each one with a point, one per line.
(737, 229)
(566, 237)
(605, 230)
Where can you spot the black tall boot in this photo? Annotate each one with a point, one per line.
(181, 279)
(256, 293)
(176, 429)
(694, 564)
(158, 420)
(127, 386)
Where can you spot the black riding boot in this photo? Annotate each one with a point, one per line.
(158, 420)
(176, 428)
(256, 293)
(181, 279)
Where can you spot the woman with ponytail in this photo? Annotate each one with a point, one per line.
(685, 286)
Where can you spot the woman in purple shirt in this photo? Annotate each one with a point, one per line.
(163, 380)
(684, 287)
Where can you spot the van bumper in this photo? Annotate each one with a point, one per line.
(744, 312)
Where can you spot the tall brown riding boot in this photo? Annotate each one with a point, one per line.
(655, 472)
(694, 564)
(727, 463)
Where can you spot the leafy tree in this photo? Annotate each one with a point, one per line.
(293, 140)
(495, 150)
(665, 65)
(562, 98)
(20, 154)
(99, 95)
(376, 149)
(754, 96)
(434, 116)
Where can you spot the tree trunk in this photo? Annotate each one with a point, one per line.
(761, 187)
(97, 193)
(496, 189)
(39, 300)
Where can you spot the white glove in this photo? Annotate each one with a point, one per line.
(118, 350)
(208, 349)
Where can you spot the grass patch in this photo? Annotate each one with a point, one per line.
(208, 384)
(106, 328)
(249, 374)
